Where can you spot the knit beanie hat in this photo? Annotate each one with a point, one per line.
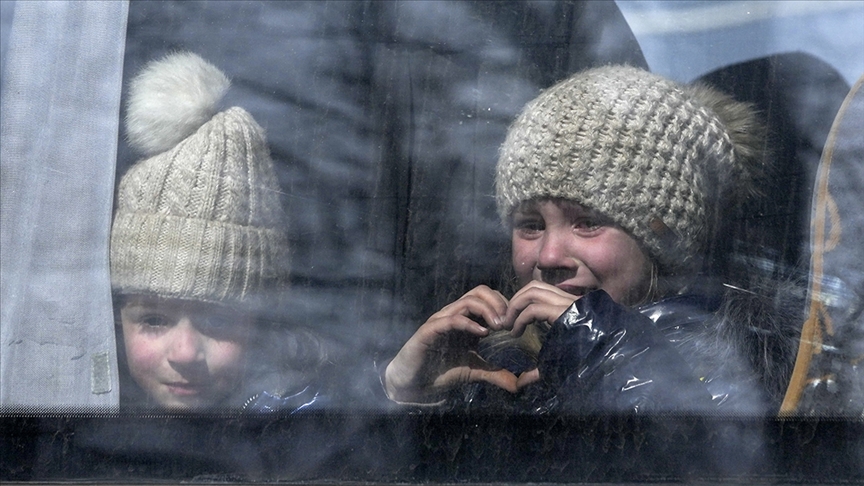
(199, 218)
(654, 156)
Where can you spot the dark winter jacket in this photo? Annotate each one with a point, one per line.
(722, 352)
(266, 402)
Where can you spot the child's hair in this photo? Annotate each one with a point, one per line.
(658, 158)
(200, 218)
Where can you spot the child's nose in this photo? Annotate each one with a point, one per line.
(556, 249)
(186, 344)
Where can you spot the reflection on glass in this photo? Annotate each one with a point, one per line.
(384, 121)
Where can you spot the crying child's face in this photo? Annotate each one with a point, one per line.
(184, 354)
(564, 244)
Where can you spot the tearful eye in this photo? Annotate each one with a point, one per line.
(527, 227)
(589, 225)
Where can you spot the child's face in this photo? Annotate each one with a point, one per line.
(184, 354)
(577, 250)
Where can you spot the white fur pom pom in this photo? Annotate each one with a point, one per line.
(170, 99)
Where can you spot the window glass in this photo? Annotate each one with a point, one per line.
(232, 291)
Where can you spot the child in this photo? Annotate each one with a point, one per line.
(198, 250)
(613, 183)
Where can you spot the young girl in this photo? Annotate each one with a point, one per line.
(198, 252)
(614, 184)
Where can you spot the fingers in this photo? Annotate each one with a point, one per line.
(442, 352)
(543, 291)
(482, 302)
(417, 385)
(438, 327)
(536, 301)
(527, 378)
(436, 351)
(536, 312)
(476, 369)
(421, 351)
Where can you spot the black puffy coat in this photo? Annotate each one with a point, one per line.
(724, 351)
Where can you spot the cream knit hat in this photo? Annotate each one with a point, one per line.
(654, 156)
(200, 219)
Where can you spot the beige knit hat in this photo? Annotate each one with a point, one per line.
(200, 219)
(654, 156)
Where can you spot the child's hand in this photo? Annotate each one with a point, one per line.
(536, 301)
(442, 353)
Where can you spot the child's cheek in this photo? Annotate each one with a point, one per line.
(143, 354)
(523, 262)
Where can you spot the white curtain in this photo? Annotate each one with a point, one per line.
(61, 81)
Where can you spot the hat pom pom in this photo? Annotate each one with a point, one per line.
(170, 99)
(746, 175)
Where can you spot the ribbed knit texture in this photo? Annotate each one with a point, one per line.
(203, 221)
(634, 146)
